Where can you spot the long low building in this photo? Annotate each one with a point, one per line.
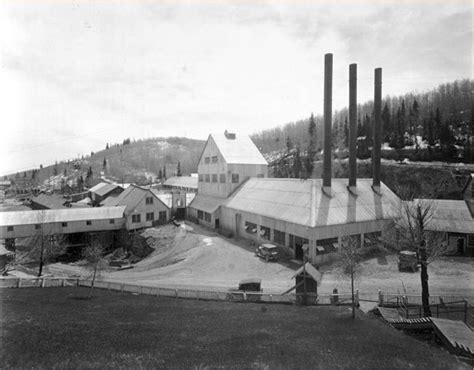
(22, 224)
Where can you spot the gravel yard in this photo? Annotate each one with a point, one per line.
(192, 257)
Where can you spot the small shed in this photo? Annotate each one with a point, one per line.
(307, 278)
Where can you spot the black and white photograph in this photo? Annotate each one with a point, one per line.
(236, 184)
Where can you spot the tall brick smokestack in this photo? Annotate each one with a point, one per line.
(327, 120)
(352, 125)
(377, 127)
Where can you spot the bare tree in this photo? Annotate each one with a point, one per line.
(350, 253)
(94, 256)
(412, 232)
(46, 243)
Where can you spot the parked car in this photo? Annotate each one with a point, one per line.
(268, 251)
(249, 290)
(408, 261)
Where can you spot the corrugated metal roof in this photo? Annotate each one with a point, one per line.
(59, 215)
(129, 198)
(303, 202)
(182, 181)
(450, 216)
(103, 188)
(240, 150)
(206, 203)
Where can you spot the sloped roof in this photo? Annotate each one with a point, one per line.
(240, 150)
(103, 188)
(206, 203)
(310, 270)
(303, 202)
(52, 201)
(449, 216)
(59, 215)
(182, 181)
(129, 198)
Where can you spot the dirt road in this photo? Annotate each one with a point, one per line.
(196, 258)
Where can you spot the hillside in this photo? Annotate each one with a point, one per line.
(436, 124)
(131, 161)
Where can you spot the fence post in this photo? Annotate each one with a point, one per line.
(42, 282)
(271, 298)
(357, 298)
(465, 311)
(121, 288)
(380, 298)
(437, 310)
(176, 292)
(19, 283)
(77, 283)
(62, 282)
(245, 296)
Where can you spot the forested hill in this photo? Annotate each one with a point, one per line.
(135, 161)
(441, 117)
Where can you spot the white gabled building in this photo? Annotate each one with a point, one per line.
(227, 161)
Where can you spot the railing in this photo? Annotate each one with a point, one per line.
(411, 306)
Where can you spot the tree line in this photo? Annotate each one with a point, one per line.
(432, 124)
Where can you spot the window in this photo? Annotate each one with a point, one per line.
(207, 217)
(279, 237)
(111, 221)
(208, 178)
(265, 232)
(214, 159)
(88, 222)
(150, 216)
(162, 216)
(235, 178)
(201, 177)
(214, 177)
(37, 226)
(250, 227)
(324, 246)
(64, 224)
(200, 215)
(206, 160)
(10, 228)
(136, 218)
(149, 200)
(222, 178)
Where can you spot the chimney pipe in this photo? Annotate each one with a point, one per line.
(377, 127)
(327, 120)
(352, 125)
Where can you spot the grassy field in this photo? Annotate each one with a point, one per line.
(56, 327)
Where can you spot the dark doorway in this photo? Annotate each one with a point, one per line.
(460, 246)
(180, 213)
(299, 242)
(217, 223)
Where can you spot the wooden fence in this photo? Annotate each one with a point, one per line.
(230, 295)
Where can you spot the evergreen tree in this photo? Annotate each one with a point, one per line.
(289, 144)
(24, 175)
(297, 163)
(55, 169)
(107, 146)
(160, 174)
(65, 171)
(178, 169)
(104, 164)
(164, 172)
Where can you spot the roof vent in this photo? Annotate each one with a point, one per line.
(229, 135)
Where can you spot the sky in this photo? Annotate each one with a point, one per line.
(75, 75)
